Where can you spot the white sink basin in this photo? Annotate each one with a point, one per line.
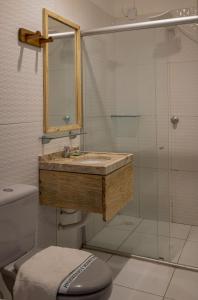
(94, 160)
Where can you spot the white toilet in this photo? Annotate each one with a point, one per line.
(18, 215)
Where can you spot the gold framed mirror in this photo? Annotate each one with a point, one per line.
(62, 74)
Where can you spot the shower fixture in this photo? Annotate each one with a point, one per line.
(190, 30)
(130, 11)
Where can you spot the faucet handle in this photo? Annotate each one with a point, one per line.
(75, 151)
(66, 151)
(76, 148)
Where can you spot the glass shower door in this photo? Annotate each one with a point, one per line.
(126, 110)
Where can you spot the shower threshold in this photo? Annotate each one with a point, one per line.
(143, 258)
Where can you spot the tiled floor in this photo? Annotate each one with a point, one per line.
(172, 242)
(140, 280)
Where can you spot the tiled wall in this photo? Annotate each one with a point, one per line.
(183, 85)
(136, 96)
(156, 82)
(171, 87)
(21, 99)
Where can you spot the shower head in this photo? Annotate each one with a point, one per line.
(190, 30)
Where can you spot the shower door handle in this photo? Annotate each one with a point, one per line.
(174, 120)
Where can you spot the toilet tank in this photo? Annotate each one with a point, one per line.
(18, 217)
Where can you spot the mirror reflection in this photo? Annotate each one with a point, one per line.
(62, 94)
(63, 76)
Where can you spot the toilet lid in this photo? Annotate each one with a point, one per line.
(95, 278)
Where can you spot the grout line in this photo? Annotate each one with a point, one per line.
(19, 123)
(138, 290)
(186, 240)
(157, 234)
(160, 235)
(182, 61)
(135, 228)
(109, 258)
(169, 283)
(189, 233)
(166, 169)
(111, 227)
(128, 236)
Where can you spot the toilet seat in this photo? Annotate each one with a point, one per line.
(96, 279)
(100, 295)
(95, 283)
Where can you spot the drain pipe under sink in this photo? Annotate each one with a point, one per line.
(75, 225)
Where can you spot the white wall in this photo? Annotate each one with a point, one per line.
(21, 101)
(183, 95)
(21, 98)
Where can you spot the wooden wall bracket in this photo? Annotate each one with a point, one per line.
(32, 38)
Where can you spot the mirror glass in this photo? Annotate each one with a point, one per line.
(63, 95)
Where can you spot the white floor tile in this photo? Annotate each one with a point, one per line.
(164, 228)
(141, 244)
(123, 222)
(189, 254)
(154, 227)
(117, 263)
(170, 249)
(144, 276)
(147, 226)
(109, 238)
(183, 286)
(120, 292)
(102, 255)
(175, 230)
(193, 234)
(179, 231)
(153, 246)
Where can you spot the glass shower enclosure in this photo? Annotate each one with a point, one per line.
(126, 110)
(130, 101)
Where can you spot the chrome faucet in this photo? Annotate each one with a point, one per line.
(71, 151)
